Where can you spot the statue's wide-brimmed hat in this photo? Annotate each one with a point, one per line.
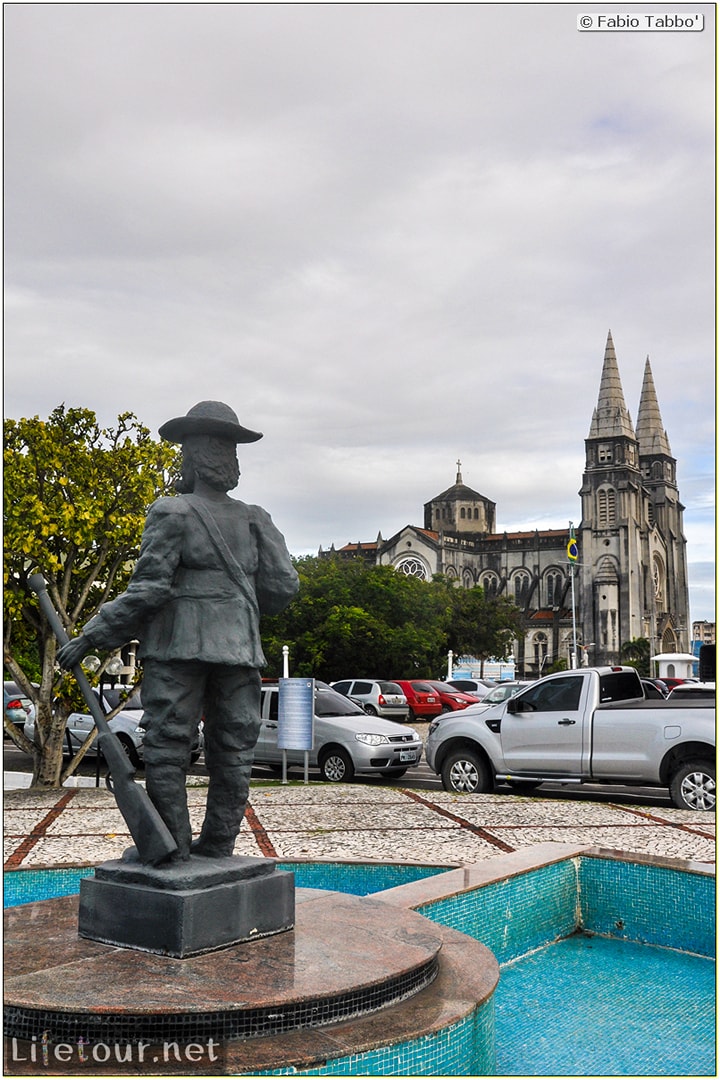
(208, 418)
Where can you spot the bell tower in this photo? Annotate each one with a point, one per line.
(612, 527)
(665, 569)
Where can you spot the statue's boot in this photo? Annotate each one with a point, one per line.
(166, 787)
(227, 798)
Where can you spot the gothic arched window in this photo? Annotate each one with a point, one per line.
(521, 583)
(489, 584)
(553, 585)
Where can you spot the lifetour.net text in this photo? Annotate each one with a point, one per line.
(42, 1052)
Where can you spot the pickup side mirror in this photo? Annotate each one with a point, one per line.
(520, 705)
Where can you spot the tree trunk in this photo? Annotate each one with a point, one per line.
(47, 763)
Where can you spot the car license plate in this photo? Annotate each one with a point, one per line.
(430, 699)
(407, 755)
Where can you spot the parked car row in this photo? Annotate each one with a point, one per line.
(405, 699)
(355, 728)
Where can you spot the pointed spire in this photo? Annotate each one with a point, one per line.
(610, 417)
(651, 435)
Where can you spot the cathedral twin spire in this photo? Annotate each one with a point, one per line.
(611, 417)
(651, 435)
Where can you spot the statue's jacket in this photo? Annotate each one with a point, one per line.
(188, 599)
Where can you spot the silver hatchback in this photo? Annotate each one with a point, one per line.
(376, 696)
(346, 740)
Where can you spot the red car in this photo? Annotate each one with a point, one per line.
(423, 700)
(451, 698)
(671, 683)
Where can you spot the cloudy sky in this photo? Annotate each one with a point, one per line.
(391, 236)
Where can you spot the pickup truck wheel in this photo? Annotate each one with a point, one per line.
(693, 786)
(465, 773)
(336, 766)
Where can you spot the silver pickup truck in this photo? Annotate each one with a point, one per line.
(588, 725)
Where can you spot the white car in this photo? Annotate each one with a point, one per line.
(692, 691)
(346, 739)
(126, 725)
(378, 697)
(478, 687)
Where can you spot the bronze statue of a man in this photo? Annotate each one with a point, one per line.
(209, 566)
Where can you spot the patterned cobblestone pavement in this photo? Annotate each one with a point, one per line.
(82, 826)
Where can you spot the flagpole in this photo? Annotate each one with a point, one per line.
(572, 583)
(572, 556)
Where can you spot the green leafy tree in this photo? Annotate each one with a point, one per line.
(352, 618)
(636, 653)
(75, 502)
(482, 626)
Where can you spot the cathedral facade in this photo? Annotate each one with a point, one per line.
(629, 579)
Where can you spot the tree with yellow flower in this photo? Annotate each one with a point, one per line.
(75, 500)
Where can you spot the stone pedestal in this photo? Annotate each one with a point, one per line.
(357, 987)
(187, 908)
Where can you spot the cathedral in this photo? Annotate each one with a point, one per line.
(628, 577)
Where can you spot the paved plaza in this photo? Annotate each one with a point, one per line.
(81, 825)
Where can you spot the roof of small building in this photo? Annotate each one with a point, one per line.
(459, 492)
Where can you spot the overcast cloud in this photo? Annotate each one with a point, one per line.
(389, 235)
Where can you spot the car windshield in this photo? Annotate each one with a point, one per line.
(390, 688)
(500, 693)
(114, 696)
(329, 703)
(446, 688)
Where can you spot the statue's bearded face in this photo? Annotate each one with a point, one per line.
(208, 458)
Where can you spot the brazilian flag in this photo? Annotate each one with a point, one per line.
(572, 549)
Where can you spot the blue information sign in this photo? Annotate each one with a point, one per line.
(296, 714)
